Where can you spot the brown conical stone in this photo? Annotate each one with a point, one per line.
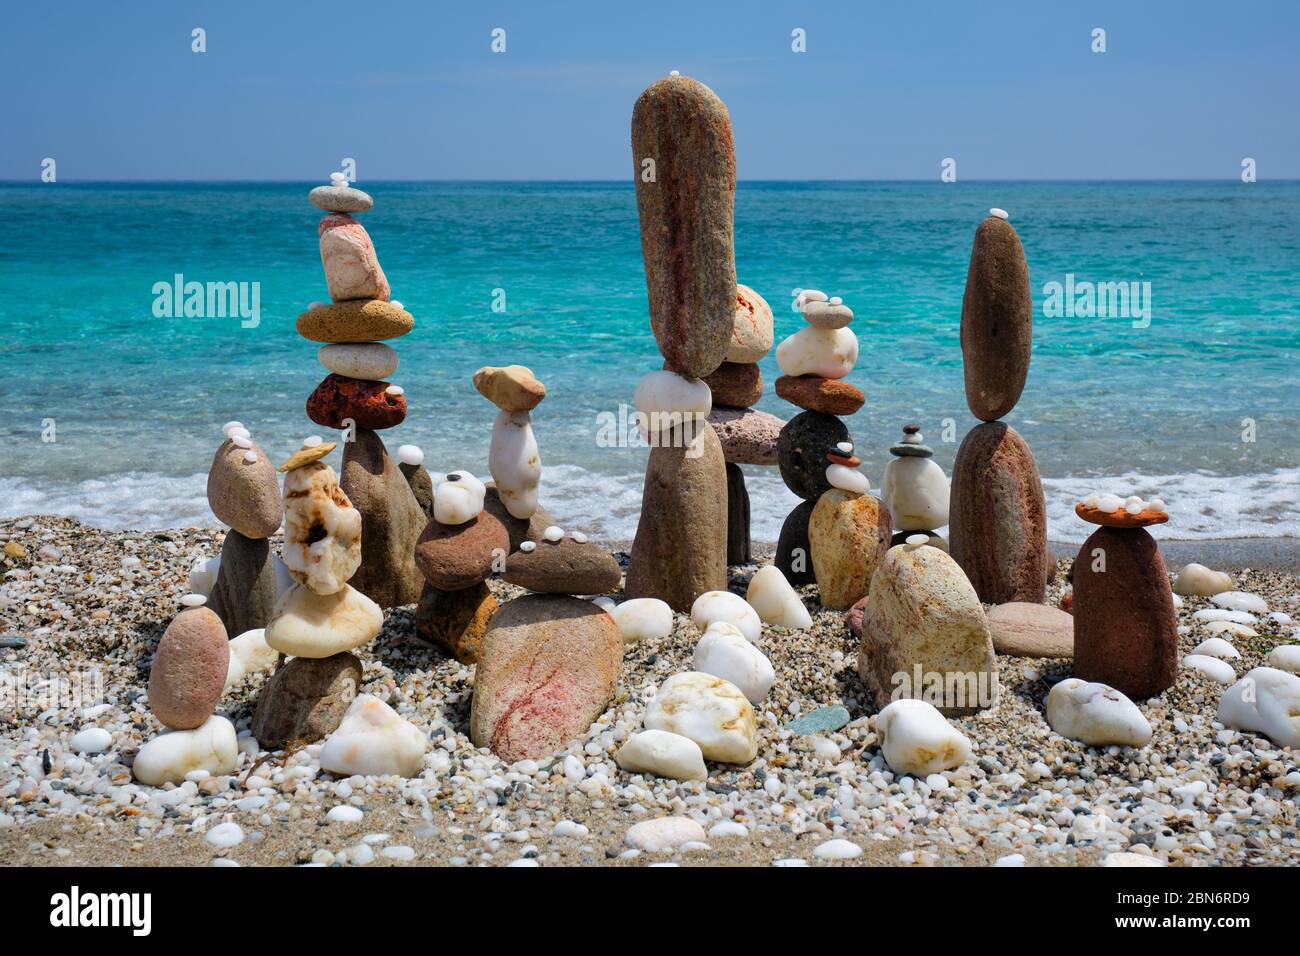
(1125, 628)
(738, 549)
(997, 314)
(305, 699)
(793, 550)
(245, 590)
(421, 485)
(518, 529)
(997, 526)
(391, 522)
(680, 549)
(684, 166)
(455, 620)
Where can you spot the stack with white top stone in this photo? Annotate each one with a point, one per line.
(685, 167)
(915, 489)
(998, 524)
(321, 618)
(736, 386)
(840, 532)
(355, 396)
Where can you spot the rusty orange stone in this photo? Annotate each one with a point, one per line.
(1120, 518)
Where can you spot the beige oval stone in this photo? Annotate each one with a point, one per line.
(511, 388)
(189, 670)
(752, 329)
(848, 535)
(355, 320)
(242, 494)
(1021, 629)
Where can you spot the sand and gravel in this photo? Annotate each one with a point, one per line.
(82, 610)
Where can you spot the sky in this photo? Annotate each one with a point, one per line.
(413, 89)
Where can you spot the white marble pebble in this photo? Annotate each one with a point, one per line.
(194, 600)
(553, 533)
(239, 441)
(1217, 647)
(837, 849)
(225, 835)
(836, 300)
(1156, 504)
(224, 861)
(848, 479)
(663, 833)
(1108, 504)
(724, 651)
(570, 828)
(642, 619)
(1264, 701)
(916, 739)
(665, 400)
(663, 754)
(675, 73)
(311, 441)
(394, 390)
(809, 295)
(578, 536)
(458, 498)
(1091, 501)
(845, 447)
(825, 748)
(344, 814)
(728, 828)
(1285, 657)
(1240, 601)
(914, 541)
(606, 604)
(337, 177)
(998, 212)
(239, 432)
(1280, 617)
(395, 304)
(1096, 714)
(399, 852)
(775, 600)
(91, 740)
(360, 855)
(250, 457)
(1133, 505)
(1222, 614)
(1011, 859)
(228, 427)
(523, 861)
(410, 455)
(714, 606)
(527, 546)
(1214, 668)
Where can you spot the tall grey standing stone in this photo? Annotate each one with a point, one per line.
(738, 548)
(997, 313)
(391, 522)
(680, 549)
(684, 165)
(245, 590)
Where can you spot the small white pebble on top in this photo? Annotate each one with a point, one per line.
(228, 427)
(395, 390)
(526, 546)
(241, 442)
(410, 454)
(225, 835)
(578, 536)
(395, 304)
(194, 600)
(553, 533)
(914, 541)
(845, 447)
(250, 457)
(311, 441)
(314, 305)
(999, 213)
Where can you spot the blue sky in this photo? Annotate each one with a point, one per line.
(411, 89)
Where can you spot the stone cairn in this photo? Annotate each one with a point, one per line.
(915, 489)
(998, 524)
(1125, 626)
(354, 397)
(840, 532)
(748, 436)
(244, 494)
(685, 167)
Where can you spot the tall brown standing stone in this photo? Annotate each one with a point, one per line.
(684, 165)
(997, 526)
(680, 549)
(1125, 627)
(738, 549)
(391, 522)
(245, 590)
(306, 699)
(455, 620)
(996, 321)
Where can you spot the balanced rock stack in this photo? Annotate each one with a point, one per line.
(915, 489)
(840, 532)
(243, 492)
(748, 436)
(684, 162)
(185, 682)
(355, 397)
(1125, 626)
(321, 618)
(998, 524)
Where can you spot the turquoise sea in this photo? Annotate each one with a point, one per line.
(1200, 405)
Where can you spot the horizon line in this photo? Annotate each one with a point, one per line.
(630, 181)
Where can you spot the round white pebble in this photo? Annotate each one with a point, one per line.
(410, 455)
(344, 814)
(194, 600)
(240, 441)
(92, 740)
(553, 533)
(578, 536)
(916, 540)
(225, 835)
(250, 457)
(845, 447)
(394, 390)
(837, 850)
(228, 427)
(999, 212)
(395, 304)
(526, 546)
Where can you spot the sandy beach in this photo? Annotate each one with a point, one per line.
(76, 598)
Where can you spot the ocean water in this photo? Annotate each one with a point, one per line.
(1196, 402)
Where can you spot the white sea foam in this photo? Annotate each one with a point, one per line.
(607, 506)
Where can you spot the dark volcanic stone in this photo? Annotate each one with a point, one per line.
(801, 452)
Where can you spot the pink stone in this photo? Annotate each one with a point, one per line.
(352, 268)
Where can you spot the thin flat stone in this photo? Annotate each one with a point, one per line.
(904, 450)
(819, 721)
(340, 199)
(306, 455)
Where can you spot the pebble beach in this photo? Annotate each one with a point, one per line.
(77, 599)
